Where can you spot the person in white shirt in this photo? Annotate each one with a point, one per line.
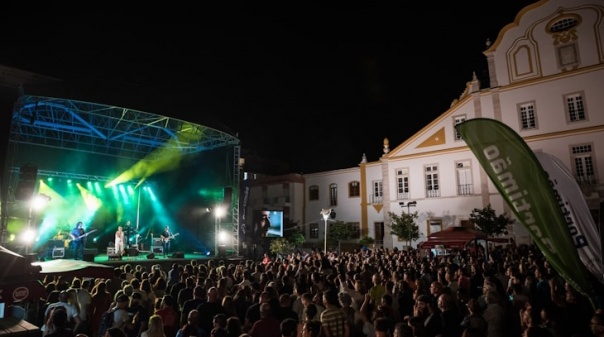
(72, 312)
(119, 240)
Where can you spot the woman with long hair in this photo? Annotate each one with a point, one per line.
(155, 328)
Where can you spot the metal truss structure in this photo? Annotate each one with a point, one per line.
(116, 131)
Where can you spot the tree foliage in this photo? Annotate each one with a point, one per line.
(487, 221)
(404, 226)
(293, 233)
(339, 231)
(281, 246)
(366, 240)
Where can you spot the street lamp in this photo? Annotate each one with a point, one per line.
(326, 213)
(219, 212)
(409, 205)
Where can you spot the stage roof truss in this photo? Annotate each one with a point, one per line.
(109, 130)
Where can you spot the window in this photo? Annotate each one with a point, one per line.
(466, 224)
(286, 191)
(354, 189)
(527, 116)
(458, 120)
(265, 199)
(563, 31)
(377, 196)
(585, 171)
(464, 178)
(402, 184)
(434, 225)
(564, 23)
(574, 108)
(378, 228)
(314, 230)
(333, 195)
(432, 183)
(313, 192)
(355, 229)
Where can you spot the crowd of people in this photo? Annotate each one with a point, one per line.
(511, 291)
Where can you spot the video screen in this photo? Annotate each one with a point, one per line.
(268, 223)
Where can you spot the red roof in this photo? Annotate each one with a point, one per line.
(456, 237)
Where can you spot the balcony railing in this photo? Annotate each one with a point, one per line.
(466, 189)
(432, 193)
(377, 199)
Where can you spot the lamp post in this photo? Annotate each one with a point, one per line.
(326, 213)
(409, 205)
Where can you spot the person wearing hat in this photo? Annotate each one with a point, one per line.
(120, 314)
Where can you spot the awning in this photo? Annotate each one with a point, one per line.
(443, 244)
(457, 237)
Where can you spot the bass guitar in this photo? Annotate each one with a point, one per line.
(83, 235)
(164, 239)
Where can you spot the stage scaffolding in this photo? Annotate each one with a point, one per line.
(113, 131)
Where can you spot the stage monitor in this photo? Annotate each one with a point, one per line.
(268, 223)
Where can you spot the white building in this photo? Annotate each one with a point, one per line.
(546, 73)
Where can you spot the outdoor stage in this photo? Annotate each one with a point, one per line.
(136, 257)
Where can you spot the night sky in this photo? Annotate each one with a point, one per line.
(314, 86)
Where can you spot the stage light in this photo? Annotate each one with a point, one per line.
(40, 201)
(28, 236)
(223, 237)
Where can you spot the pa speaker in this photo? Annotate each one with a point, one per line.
(150, 256)
(178, 255)
(132, 252)
(88, 257)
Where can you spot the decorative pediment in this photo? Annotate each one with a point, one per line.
(437, 138)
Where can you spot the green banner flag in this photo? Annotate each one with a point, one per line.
(524, 185)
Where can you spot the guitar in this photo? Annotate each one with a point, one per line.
(83, 235)
(169, 238)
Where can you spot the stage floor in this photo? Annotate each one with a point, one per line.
(145, 258)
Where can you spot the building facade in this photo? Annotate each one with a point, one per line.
(546, 82)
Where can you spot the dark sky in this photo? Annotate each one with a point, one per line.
(314, 86)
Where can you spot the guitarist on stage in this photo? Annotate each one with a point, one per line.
(166, 236)
(78, 241)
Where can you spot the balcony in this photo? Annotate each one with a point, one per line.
(466, 189)
(377, 199)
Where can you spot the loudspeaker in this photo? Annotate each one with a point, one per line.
(113, 257)
(228, 195)
(151, 256)
(178, 255)
(88, 257)
(26, 185)
(132, 252)
(221, 251)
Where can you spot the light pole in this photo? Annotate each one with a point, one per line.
(409, 205)
(326, 213)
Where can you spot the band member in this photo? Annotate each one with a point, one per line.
(78, 241)
(119, 241)
(166, 237)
